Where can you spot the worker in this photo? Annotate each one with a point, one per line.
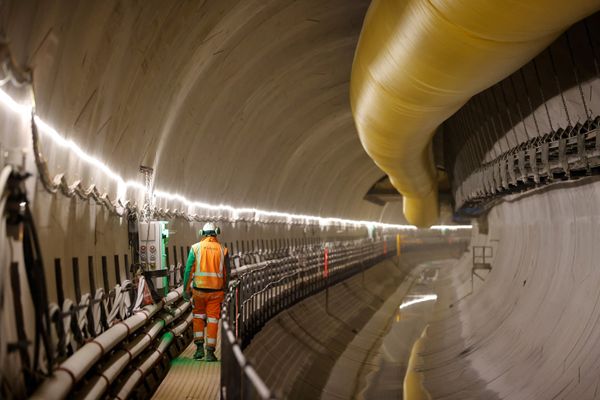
(205, 279)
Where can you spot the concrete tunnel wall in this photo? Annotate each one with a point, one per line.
(531, 331)
(202, 93)
(132, 86)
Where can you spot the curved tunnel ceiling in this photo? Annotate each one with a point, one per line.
(239, 102)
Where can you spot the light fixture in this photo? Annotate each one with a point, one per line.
(123, 185)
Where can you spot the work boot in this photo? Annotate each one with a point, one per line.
(210, 355)
(199, 354)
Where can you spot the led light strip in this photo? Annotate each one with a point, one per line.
(122, 184)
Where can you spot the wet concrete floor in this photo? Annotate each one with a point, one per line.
(385, 380)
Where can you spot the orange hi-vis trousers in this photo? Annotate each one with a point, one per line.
(207, 311)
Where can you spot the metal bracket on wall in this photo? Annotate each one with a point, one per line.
(562, 155)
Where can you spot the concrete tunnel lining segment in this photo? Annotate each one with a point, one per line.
(121, 79)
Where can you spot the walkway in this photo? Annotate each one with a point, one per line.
(189, 379)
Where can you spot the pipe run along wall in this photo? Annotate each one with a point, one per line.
(73, 369)
(418, 62)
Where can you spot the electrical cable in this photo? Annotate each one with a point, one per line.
(82, 309)
(55, 333)
(66, 340)
(116, 305)
(121, 305)
(73, 337)
(98, 309)
(4, 175)
(4, 261)
(36, 277)
(140, 293)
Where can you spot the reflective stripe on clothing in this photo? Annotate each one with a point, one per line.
(199, 334)
(209, 263)
(212, 274)
(209, 304)
(201, 316)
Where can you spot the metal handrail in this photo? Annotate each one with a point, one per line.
(247, 308)
(269, 285)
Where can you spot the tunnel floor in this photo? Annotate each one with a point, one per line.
(353, 342)
(191, 379)
(389, 363)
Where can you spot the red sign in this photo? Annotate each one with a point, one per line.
(237, 315)
(326, 263)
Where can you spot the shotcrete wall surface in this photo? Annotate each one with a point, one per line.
(531, 331)
(216, 96)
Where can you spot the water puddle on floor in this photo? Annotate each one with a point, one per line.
(386, 380)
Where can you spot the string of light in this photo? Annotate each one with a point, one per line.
(25, 111)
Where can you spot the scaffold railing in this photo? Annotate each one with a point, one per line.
(260, 291)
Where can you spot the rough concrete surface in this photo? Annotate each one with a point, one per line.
(531, 330)
(302, 354)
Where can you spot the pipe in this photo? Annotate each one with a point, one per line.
(418, 62)
(75, 367)
(117, 363)
(149, 362)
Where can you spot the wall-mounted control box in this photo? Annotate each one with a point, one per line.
(153, 240)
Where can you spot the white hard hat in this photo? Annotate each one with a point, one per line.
(209, 229)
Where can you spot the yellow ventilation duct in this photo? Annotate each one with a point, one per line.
(418, 62)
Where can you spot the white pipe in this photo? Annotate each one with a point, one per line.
(149, 362)
(120, 303)
(173, 295)
(75, 367)
(119, 361)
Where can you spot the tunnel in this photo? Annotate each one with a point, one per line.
(299, 199)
